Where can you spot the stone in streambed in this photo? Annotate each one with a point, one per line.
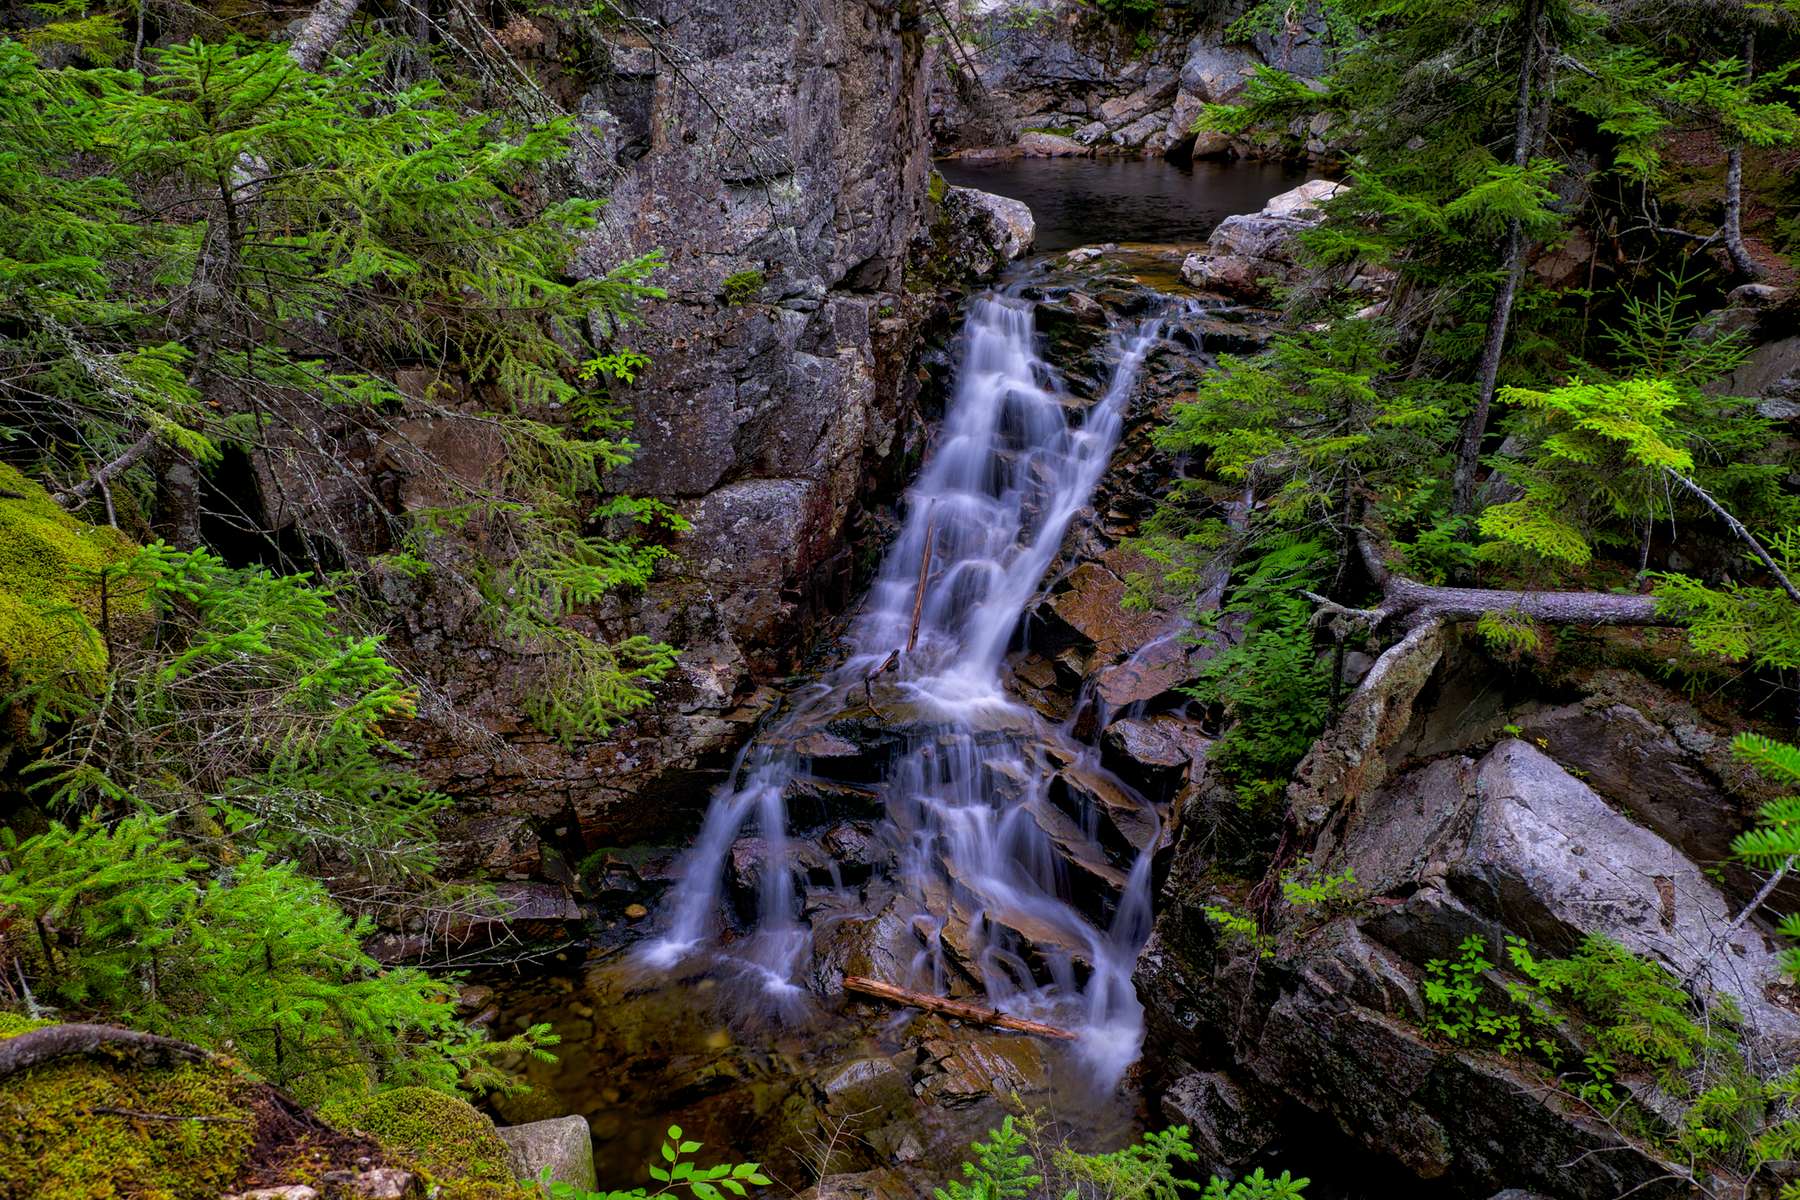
(1156, 754)
(564, 1145)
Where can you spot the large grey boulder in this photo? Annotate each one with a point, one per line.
(1515, 844)
(1249, 253)
(984, 231)
(563, 1144)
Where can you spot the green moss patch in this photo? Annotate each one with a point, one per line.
(50, 564)
(444, 1135)
(88, 1129)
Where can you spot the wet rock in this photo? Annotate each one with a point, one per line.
(983, 232)
(871, 1089)
(880, 946)
(1155, 753)
(879, 1184)
(976, 1067)
(1228, 1125)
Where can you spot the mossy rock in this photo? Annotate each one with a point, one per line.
(445, 1136)
(67, 1129)
(50, 564)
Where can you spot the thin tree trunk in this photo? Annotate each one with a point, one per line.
(1733, 228)
(1468, 450)
(321, 31)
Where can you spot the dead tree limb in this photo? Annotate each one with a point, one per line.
(36, 1047)
(912, 636)
(960, 1009)
(1739, 531)
(75, 496)
(321, 31)
(1415, 603)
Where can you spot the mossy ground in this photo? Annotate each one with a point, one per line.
(50, 564)
(92, 1130)
(442, 1134)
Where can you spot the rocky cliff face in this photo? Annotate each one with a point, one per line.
(778, 156)
(1466, 802)
(1052, 77)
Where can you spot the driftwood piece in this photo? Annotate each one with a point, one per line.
(960, 1009)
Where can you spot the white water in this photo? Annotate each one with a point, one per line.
(1016, 462)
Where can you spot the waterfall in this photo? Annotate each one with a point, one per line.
(981, 846)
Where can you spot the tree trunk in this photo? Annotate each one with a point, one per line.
(1733, 228)
(321, 31)
(1468, 450)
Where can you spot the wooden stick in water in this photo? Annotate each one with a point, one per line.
(960, 1009)
(912, 638)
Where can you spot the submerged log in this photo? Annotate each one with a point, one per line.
(960, 1009)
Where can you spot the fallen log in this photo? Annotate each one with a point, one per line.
(960, 1009)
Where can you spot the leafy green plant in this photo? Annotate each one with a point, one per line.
(1020, 1160)
(1149, 1169)
(741, 287)
(676, 1173)
(1301, 892)
(338, 232)
(1240, 927)
(253, 710)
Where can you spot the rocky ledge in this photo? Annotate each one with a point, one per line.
(1463, 809)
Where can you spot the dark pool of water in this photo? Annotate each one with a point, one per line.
(1083, 201)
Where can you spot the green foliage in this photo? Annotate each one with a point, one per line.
(741, 287)
(1150, 1169)
(1240, 927)
(254, 713)
(1257, 1186)
(676, 1173)
(128, 923)
(1021, 1160)
(999, 1170)
(1593, 456)
(337, 229)
(1275, 693)
(1325, 890)
(1775, 843)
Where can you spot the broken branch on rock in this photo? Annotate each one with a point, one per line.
(960, 1009)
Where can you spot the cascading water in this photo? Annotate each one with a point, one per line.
(983, 854)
